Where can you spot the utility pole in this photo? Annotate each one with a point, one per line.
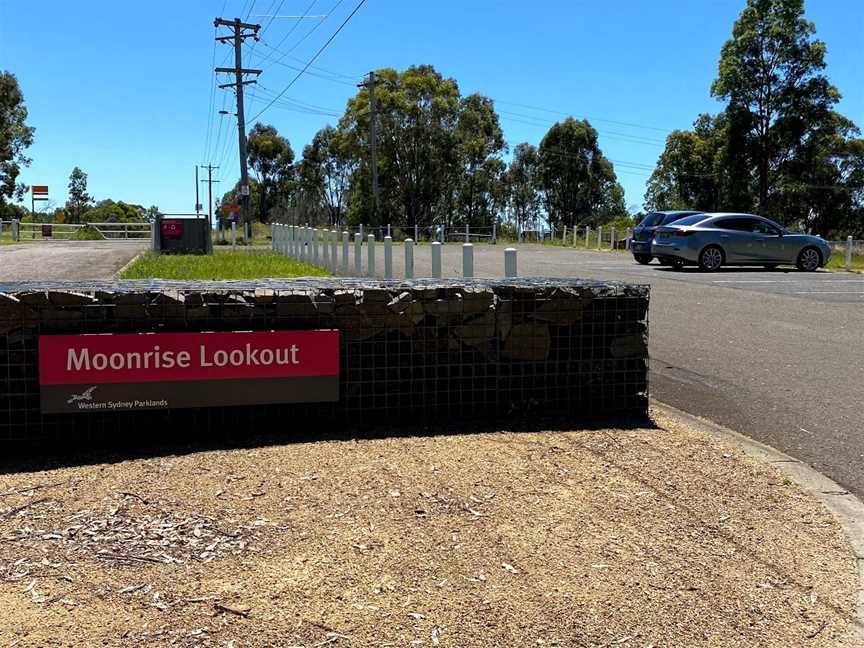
(241, 31)
(209, 182)
(197, 199)
(373, 141)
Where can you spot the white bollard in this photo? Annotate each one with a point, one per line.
(574, 236)
(358, 260)
(409, 259)
(587, 234)
(467, 233)
(416, 232)
(564, 235)
(154, 239)
(346, 237)
(388, 256)
(273, 244)
(388, 229)
(301, 243)
(233, 236)
(334, 238)
(361, 232)
(436, 260)
(510, 262)
(599, 236)
(325, 256)
(315, 236)
(614, 239)
(370, 255)
(467, 260)
(848, 253)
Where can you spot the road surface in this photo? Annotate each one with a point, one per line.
(777, 355)
(66, 260)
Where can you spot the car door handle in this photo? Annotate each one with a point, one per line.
(724, 236)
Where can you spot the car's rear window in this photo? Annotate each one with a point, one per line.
(673, 218)
(652, 220)
(691, 220)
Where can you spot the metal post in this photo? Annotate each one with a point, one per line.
(587, 234)
(409, 259)
(361, 233)
(436, 260)
(273, 245)
(848, 253)
(316, 234)
(358, 260)
(346, 237)
(467, 260)
(370, 255)
(388, 229)
(467, 235)
(574, 235)
(233, 236)
(614, 240)
(510, 262)
(599, 236)
(326, 250)
(564, 235)
(494, 231)
(388, 256)
(416, 232)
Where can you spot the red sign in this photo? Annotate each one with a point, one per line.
(171, 229)
(39, 190)
(231, 208)
(167, 370)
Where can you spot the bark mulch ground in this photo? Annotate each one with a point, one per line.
(635, 538)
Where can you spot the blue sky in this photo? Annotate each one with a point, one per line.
(123, 89)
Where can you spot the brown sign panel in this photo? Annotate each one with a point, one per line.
(231, 208)
(85, 373)
(38, 190)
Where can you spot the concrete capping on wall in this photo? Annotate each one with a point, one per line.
(411, 351)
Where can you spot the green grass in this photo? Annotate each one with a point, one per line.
(223, 264)
(838, 261)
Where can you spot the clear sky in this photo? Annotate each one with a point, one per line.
(123, 89)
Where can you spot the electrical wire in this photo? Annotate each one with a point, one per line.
(313, 59)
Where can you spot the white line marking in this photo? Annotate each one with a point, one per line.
(827, 292)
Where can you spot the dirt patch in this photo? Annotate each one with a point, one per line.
(604, 538)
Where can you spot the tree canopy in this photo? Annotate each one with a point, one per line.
(15, 137)
(778, 147)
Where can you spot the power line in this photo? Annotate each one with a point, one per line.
(313, 59)
(305, 36)
(290, 31)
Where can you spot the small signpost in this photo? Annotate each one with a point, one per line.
(40, 193)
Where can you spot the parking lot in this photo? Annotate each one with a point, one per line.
(62, 260)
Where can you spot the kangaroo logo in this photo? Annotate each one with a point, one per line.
(83, 396)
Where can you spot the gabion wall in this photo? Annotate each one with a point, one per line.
(414, 352)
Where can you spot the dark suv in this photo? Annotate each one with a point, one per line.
(640, 245)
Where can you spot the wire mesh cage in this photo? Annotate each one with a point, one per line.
(413, 352)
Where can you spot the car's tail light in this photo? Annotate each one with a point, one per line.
(682, 233)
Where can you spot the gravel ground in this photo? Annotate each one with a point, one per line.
(651, 537)
(66, 260)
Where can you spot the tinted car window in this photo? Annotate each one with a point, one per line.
(673, 218)
(737, 224)
(652, 220)
(691, 220)
(761, 227)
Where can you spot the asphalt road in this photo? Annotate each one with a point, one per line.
(65, 260)
(777, 355)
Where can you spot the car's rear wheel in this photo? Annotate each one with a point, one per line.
(711, 259)
(644, 259)
(809, 259)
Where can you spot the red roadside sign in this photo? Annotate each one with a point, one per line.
(39, 190)
(170, 370)
(231, 208)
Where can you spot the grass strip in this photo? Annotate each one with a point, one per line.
(223, 264)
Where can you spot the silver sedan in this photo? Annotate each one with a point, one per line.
(714, 240)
